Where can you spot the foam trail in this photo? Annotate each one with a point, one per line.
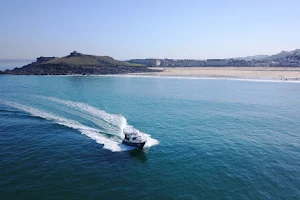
(100, 123)
(115, 120)
(95, 134)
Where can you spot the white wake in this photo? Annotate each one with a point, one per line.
(112, 123)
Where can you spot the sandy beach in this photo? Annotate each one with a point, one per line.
(270, 73)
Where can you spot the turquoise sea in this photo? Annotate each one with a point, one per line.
(60, 138)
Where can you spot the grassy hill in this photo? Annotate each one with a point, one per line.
(78, 59)
(77, 63)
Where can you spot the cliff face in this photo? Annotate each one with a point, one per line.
(77, 63)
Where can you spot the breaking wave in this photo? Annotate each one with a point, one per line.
(107, 124)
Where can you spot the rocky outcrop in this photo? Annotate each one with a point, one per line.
(44, 59)
(77, 63)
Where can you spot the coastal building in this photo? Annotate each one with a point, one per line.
(274, 63)
(75, 53)
(149, 62)
(44, 59)
(260, 64)
(238, 63)
(192, 63)
(288, 61)
(216, 62)
(181, 63)
(157, 62)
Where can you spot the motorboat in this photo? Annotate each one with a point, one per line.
(134, 139)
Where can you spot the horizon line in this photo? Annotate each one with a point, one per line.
(236, 57)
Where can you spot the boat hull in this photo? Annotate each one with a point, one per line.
(139, 145)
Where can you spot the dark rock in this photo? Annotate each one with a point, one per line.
(44, 59)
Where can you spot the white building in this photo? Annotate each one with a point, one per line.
(157, 62)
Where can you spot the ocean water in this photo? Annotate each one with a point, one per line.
(60, 137)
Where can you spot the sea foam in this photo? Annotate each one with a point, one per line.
(107, 123)
(112, 120)
(96, 134)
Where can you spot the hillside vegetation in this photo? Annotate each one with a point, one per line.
(77, 63)
(77, 59)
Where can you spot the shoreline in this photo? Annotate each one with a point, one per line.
(255, 73)
(265, 74)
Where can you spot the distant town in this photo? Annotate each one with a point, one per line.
(78, 63)
(283, 59)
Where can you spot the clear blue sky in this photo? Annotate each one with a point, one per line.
(139, 29)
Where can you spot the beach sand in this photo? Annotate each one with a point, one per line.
(269, 73)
